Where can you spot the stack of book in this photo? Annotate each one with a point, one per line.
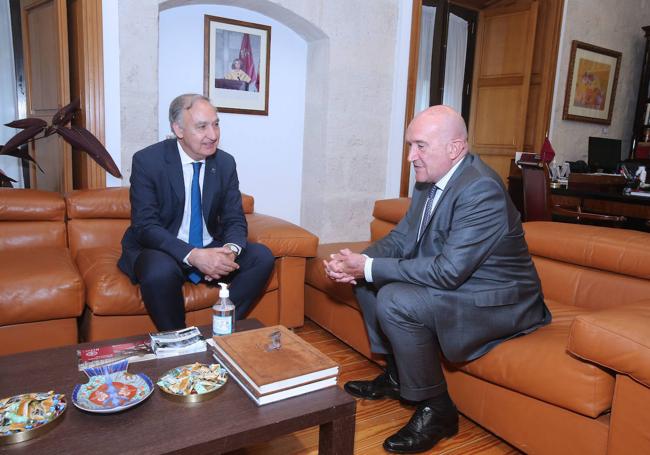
(273, 363)
(177, 342)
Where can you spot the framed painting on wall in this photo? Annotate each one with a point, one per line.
(591, 83)
(237, 58)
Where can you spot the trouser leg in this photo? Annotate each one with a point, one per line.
(161, 285)
(405, 315)
(367, 298)
(247, 283)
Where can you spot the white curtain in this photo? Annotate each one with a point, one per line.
(9, 165)
(427, 22)
(423, 85)
(455, 62)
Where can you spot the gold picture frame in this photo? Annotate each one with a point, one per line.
(236, 62)
(591, 83)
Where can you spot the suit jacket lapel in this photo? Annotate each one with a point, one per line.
(175, 170)
(466, 162)
(210, 186)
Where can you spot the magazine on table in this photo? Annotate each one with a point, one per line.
(177, 342)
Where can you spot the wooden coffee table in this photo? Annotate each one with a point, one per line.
(158, 425)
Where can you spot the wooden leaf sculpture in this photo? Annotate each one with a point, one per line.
(21, 138)
(77, 136)
(26, 123)
(23, 153)
(64, 115)
(5, 180)
(83, 139)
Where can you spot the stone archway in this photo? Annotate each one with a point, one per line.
(348, 99)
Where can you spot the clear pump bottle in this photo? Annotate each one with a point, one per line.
(223, 313)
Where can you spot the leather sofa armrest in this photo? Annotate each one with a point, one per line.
(282, 237)
(248, 203)
(617, 338)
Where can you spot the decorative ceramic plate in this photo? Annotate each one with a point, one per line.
(110, 388)
(26, 416)
(193, 383)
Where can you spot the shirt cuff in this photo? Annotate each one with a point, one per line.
(367, 269)
(185, 260)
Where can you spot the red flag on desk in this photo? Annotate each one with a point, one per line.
(547, 153)
(246, 57)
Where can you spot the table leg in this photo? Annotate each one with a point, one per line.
(337, 437)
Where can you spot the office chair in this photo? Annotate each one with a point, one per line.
(538, 205)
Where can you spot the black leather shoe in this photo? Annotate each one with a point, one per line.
(383, 386)
(425, 429)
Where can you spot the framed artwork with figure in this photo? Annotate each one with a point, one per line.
(591, 83)
(236, 63)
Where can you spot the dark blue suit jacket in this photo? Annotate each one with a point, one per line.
(158, 197)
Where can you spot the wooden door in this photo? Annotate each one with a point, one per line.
(45, 47)
(502, 72)
(542, 79)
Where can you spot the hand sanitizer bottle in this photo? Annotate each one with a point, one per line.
(223, 313)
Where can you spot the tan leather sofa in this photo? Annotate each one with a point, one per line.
(58, 270)
(97, 220)
(580, 385)
(41, 291)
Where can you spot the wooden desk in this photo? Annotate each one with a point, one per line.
(594, 193)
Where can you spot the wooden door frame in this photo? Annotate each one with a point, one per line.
(87, 78)
(411, 83)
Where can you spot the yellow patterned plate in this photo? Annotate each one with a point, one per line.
(193, 383)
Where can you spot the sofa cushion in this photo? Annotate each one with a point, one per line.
(31, 205)
(315, 273)
(280, 236)
(618, 338)
(391, 210)
(587, 287)
(620, 251)
(109, 292)
(31, 234)
(39, 284)
(539, 365)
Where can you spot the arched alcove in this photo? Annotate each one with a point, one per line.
(348, 97)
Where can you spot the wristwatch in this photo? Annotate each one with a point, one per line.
(234, 248)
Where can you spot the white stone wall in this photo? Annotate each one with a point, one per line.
(349, 93)
(612, 25)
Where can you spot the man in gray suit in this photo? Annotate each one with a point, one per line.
(454, 278)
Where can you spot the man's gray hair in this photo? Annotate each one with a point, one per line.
(181, 103)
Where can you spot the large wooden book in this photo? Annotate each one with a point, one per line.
(269, 373)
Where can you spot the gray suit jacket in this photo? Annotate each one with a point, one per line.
(473, 260)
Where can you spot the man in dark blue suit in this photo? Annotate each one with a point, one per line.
(187, 221)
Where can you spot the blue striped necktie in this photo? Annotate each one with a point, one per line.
(196, 218)
(428, 210)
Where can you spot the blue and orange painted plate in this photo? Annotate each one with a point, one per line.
(110, 388)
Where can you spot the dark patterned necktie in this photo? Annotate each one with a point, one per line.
(428, 210)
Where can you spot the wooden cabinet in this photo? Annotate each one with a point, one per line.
(641, 129)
